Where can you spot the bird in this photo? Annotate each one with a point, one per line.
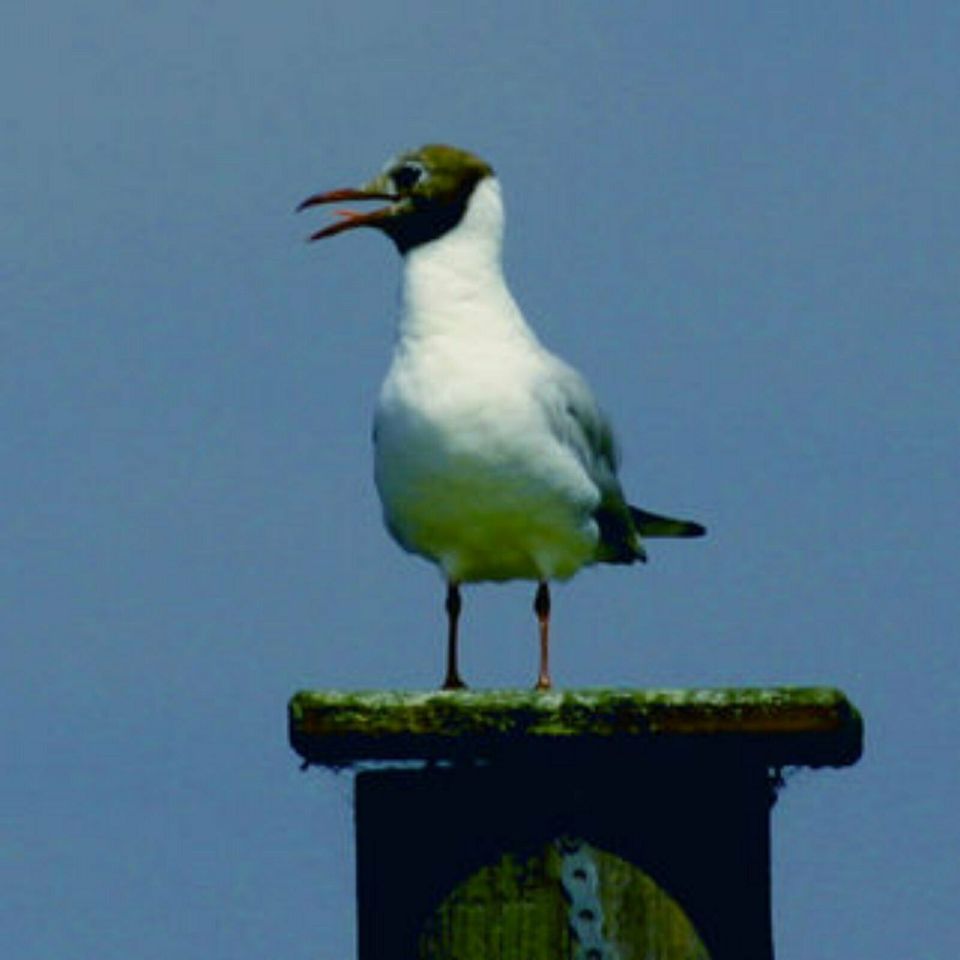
(492, 459)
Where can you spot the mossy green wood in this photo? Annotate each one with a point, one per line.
(516, 908)
(782, 726)
(436, 845)
(510, 908)
(671, 787)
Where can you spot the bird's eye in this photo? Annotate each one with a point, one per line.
(407, 176)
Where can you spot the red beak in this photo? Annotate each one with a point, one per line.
(349, 218)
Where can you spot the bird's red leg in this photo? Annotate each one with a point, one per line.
(452, 681)
(541, 606)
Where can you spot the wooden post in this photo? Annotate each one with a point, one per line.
(596, 825)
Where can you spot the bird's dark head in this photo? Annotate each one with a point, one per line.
(426, 190)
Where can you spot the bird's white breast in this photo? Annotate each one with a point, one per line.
(469, 472)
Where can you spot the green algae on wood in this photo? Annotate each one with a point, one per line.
(782, 726)
(517, 907)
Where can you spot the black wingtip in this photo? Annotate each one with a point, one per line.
(654, 525)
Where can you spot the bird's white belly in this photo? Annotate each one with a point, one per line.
(478, 488)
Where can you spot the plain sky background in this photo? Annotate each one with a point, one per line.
(739, 220)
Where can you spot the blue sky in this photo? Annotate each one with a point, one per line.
(740, 220)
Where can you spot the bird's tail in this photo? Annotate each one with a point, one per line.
(653, 525)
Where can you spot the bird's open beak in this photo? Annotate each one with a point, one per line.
(349, 219)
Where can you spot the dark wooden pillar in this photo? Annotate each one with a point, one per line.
(585, 824)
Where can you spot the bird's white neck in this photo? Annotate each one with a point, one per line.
(454, 285)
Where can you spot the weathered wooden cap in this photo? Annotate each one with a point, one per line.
(776, 727)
